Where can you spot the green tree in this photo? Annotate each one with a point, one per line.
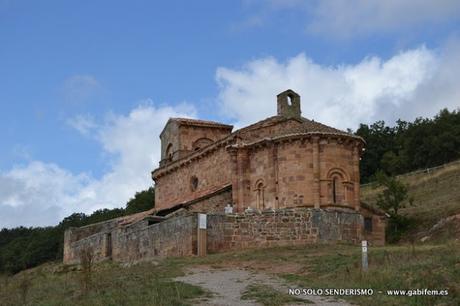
(142, 201)
(393, 196)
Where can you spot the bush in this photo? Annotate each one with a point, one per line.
(397, 226)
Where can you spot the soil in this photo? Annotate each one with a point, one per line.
(228, 284)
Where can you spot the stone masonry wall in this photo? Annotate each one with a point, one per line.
(282, 227)
(178, 236)
(212, 204)
(172, 237)
(377, 235)
(212, 171)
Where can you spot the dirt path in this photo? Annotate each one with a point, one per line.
(229, 284)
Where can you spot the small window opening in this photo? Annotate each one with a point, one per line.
(289, 100)
(334, 190)
(194, 183)
(368, 224)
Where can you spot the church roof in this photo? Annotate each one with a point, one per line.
(306, 126)
(197, 122)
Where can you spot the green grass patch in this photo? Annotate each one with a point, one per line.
(110, 284)
(395, 267)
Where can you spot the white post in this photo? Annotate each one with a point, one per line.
(364, 255)
(202, 235)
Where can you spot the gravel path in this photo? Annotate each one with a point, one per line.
(229, 284)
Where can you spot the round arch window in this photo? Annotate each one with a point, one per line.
(194, 183)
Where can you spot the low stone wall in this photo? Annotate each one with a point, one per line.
(172, 237)
(91, 236)
(177, 236)
(294, 226)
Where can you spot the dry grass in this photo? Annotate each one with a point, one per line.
(316, 266)
(436, 195)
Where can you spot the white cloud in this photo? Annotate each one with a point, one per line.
(79, 88)
(346, 18)
(41, 193)
(417, 82)
(351, 18)
(82, 123)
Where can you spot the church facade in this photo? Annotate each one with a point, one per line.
(283, 161)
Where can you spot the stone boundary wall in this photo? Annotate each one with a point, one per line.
(177, 236)
(296, 226)
(172, 237)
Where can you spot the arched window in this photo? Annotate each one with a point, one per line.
(260, 200)
(334, 190)
(337, 186)
(201, 143)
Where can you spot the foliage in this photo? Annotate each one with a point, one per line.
(393, 196)
(409, 146)
(397, 226)
(142, 201)
(22, 248)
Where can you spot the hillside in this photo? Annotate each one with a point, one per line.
(252, 277)
(435, 191)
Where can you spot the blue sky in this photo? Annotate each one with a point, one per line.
(86, 86)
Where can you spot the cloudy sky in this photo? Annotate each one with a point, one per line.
(86, 86)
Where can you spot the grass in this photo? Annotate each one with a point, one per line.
(436, 195)
(111, 284)
(268, 296)
(394, 267)
(319, 266)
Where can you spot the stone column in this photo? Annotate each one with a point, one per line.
(316, 172)
(242, 160)
(275, 173)
(356, 177)
(234, 170)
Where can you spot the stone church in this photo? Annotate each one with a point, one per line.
(283, 180)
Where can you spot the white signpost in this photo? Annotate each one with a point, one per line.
(202, 221)
(202, 235)
(364, 256)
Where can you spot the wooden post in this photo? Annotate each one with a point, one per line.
(364, 257)
(202, 235)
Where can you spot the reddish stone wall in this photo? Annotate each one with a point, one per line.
(295, 174)
(212, 171)
(285, 170)
(189, 134)
(215, 203)
(336, 159)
